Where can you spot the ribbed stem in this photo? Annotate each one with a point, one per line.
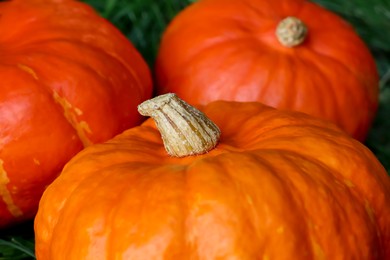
(291, 32)
(184, 129)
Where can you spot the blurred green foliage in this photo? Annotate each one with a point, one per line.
(142, 21)
(17, 243)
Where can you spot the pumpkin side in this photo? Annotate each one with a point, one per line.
(65, 87)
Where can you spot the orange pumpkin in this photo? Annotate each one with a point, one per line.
(277, 185)
(68, 79)
(289, 54)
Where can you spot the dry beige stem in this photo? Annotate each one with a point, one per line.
(184, 129)
(291, 31)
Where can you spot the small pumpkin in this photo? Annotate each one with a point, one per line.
(289, 54)
(277, 185)
(69, 79)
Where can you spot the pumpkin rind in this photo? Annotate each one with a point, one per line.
(228, 49)
(277, 185)
(69, 79)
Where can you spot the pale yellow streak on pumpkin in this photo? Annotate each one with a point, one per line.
(71, 113)
(370, 211)
(6, 195)
(78, 111)
(28, 70)
(349, 184)
(318, 251)
(280, 230)
(249, 200)
(266, 257)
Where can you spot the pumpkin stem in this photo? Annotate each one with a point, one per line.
(291, 31)
(184, 129)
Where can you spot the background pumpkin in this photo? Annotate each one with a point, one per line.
(278, 184)
(68, 79)
(228, 49)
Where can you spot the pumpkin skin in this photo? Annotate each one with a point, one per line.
(227, 49)
(277, 185)
(69, 79)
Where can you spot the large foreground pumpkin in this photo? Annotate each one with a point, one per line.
(278, 185)
(290, 54)
(68, 79)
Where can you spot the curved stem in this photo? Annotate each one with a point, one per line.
(184, 129)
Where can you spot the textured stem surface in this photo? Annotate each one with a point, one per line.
(291, 32)
(184, 129)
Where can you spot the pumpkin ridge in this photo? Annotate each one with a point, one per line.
(234, 51)
(335, 115)
(330, 192)
(96, 49)
(167, 192)
(268, 78)
(72, 113)
(285, 61)
(357, 192)
(215, 45)
(269, 11)
(313, 66)
(68, 202)
(241, 191)
(316, 250)
(121, 61)
(348, 69)
(247, 73)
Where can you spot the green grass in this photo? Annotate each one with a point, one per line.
(17, 242)
(143, 21)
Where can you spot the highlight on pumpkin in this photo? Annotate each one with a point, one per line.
(291, 32)
(184, 129)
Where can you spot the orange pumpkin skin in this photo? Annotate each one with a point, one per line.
(278, 185)
(227, 49)
(68, 79)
